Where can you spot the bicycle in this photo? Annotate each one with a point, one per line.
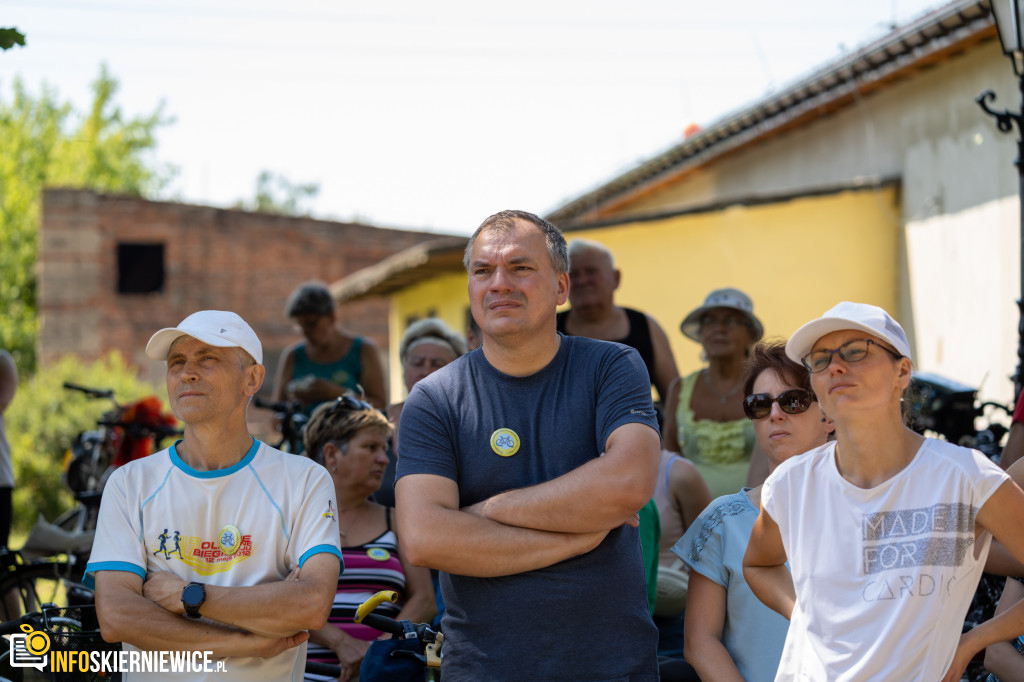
(27, 585)
(292, 421)
(124, 433)
(417, 643)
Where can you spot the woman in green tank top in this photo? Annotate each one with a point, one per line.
(704, 418)
(328, 362)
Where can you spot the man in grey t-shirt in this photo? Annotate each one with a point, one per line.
(521, 469)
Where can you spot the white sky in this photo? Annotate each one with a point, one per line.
(428, 115)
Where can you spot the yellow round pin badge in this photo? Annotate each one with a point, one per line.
(378, 554)
(229, 539)
(505, 442)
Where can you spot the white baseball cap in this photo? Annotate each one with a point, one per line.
(215, 327)
(847, 315)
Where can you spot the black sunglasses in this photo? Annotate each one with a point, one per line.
(793, 401)
(347, 403)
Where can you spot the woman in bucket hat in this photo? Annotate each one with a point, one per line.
(704, 418)
(886, 532)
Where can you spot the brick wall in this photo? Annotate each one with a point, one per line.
(213, 259)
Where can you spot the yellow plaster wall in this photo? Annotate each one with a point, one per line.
(444, 297)
(795, 258)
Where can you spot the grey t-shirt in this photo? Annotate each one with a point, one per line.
(582, 619)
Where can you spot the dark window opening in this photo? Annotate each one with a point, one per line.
(140, 268)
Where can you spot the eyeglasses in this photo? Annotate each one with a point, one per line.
(793, 401)
(851, 351)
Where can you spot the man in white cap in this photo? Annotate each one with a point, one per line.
(257, 540)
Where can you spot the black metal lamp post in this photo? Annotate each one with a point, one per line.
(1009, 24)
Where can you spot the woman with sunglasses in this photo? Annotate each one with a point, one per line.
(349, 438)
(886, 532)
(729, 634)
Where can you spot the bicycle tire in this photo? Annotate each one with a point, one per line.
(27, 587)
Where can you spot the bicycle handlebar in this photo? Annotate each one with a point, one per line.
(384, 624)
(91, 392)
(430, 641)
(14, 627)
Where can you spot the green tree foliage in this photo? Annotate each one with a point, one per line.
(46, 143)
(278, 194)
(44, 418)
(9, 37)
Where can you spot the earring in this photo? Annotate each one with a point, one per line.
(823, 420)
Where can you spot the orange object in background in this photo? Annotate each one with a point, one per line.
(134, 443)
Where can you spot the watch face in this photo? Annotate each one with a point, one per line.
(193, 595)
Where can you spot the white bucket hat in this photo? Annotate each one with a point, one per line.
(847, 315)
(215, 327)
(722, 298)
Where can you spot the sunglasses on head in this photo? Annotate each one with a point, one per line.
(793, 401)
(347, 403)
(851, 351)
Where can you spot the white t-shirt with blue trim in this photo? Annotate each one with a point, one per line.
(249, 524)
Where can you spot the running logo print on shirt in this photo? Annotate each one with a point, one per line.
(206, 557)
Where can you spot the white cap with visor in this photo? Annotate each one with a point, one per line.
(215, 327)
(846, 315)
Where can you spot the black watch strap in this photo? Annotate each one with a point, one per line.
(193, 596)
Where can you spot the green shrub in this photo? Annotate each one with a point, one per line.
(44, 418)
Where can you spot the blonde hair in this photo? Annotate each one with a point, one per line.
(332, 425)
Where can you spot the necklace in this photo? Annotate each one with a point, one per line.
(344, 533)
(723, 398)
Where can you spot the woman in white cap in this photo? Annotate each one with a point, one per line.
(886, 532)
(704, 418)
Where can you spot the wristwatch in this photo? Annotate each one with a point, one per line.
(192, 597)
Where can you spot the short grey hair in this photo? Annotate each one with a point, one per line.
(433, 330)
(311, 298)
(580, 245)
(505, 221)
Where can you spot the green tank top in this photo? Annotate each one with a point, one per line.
(347, 372)
(720, 450)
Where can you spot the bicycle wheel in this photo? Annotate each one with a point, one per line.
(27, 587)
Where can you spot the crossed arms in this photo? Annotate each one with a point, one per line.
(529, 528)
(261, 620)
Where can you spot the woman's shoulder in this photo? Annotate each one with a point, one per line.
(970, 462)
(714, 520)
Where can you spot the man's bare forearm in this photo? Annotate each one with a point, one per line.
(274, 609)
(465, 544)
(126, 616)
(600, 495)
